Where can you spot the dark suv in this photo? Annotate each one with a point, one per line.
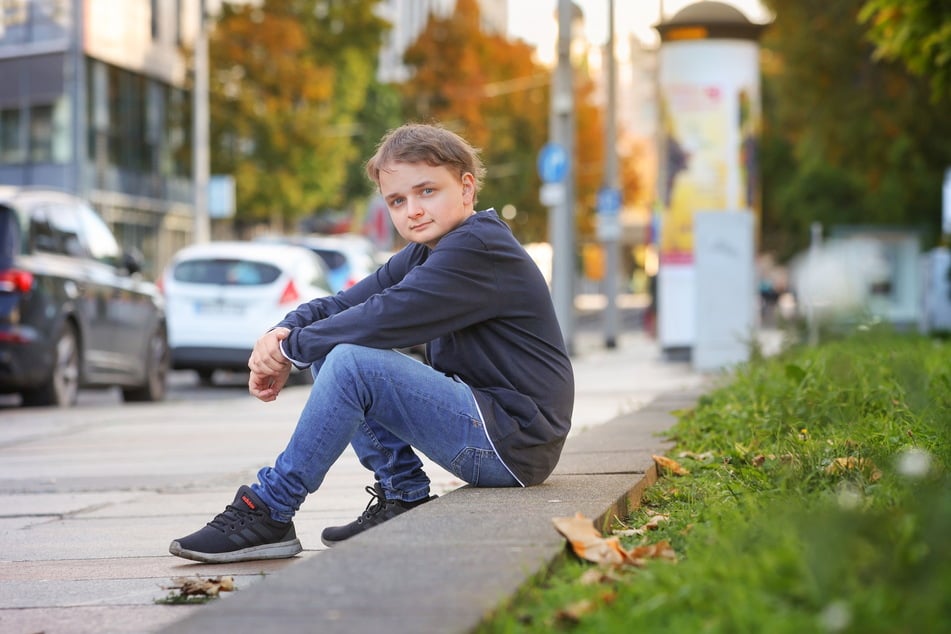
(73, 309)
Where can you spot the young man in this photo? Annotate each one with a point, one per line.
(494, 404)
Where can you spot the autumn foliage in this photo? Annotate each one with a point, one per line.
(492, 91)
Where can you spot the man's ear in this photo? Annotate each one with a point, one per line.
(468, 185)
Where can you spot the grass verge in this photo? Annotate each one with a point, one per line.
(818, 499)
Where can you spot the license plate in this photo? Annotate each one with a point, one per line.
(218, 308)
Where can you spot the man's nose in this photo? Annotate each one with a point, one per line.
(414, 208)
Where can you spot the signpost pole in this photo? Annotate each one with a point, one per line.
(561, 215)
(611, 233)
(200, 162)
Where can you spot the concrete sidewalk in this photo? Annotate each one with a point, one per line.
(442, 568)
(445, 566)
(84, 537)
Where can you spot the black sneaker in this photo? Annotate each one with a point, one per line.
(379, 509)
(243, 532)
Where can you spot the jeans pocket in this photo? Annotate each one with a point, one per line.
(481, 467)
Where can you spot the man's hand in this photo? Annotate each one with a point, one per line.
(269, 367)
(266, 387)
(266, 357)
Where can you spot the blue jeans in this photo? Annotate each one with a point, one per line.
(384, 403)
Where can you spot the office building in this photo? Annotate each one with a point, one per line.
(93, 100)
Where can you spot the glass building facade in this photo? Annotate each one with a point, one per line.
(93, 100)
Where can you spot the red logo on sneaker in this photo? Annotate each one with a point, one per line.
(248, 501)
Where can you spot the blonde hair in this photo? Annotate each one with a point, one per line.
(426, 143)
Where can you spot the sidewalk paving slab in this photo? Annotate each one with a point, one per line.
(95, 494)
(448, 564)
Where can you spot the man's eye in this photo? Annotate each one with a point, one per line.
(428, 190)
(396, 202)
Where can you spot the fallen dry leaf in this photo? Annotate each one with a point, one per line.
(573, 612)
(851, 463)
(666, 464)
(597, 576)
(661, 550)
(654, 523)
(706, 456)
(651, 525)
(196, 586)
(588, 544)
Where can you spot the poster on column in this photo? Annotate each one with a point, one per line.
(696, 124)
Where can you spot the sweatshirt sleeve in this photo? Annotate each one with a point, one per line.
(452, 288)
(323, 307)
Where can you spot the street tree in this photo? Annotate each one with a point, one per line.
(287, 82)
(916, 33)
(491, 90)
(849, 139)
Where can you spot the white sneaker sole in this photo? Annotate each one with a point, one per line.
(280, 550)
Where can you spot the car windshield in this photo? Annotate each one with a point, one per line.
(333, 259)
(226, 272)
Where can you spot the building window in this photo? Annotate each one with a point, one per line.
(62, 131)
(34, 20)
(11, 136)
(14, 20)
(49, 140)
(41, 134)
(154, 4)
(38, 134)
(127, 124)
(179, 131)
(136, 125)
(50, 20)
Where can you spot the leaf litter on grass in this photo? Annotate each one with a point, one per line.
(818, 499)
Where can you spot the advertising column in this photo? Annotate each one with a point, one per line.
(710, 125)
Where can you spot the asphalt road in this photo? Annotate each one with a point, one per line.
(184, 385)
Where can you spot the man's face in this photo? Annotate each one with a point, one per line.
(426, 202)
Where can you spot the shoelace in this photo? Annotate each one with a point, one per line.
(231, 516)
(376, 503)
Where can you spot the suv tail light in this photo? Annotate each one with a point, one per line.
(290, 294)
(14, 280)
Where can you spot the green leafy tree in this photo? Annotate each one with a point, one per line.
(491, 90)
(381, 112)
(288, 80)
(848, 139)
(916, 33)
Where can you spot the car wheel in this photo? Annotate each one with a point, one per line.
(62, 387)
(206, 378)
(301, 377)
(156, 372)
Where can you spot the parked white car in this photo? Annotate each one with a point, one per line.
(222, 296)
(349, 257)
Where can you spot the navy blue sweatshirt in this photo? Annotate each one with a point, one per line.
(485, 311)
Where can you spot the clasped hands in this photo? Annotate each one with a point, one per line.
(269, 367)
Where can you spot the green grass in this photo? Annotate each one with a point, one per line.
(769, 536)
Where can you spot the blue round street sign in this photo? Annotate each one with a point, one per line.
(552, 163)
(609, 200)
